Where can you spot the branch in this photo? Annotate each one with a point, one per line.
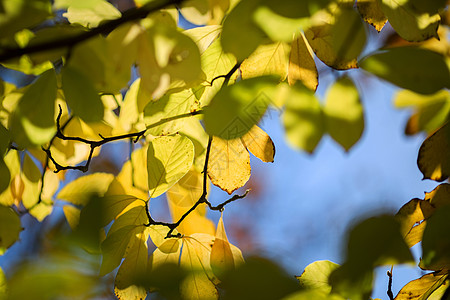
(228, 75)
(70, 41)
(389, 291)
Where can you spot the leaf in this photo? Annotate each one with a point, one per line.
(301, 64)
(312, 294)
(267, 59)
(3, 284)
(240, 35)
(343, 113)
(31, 177)
(417, 69)
(81, 190)
(259, 143)
(93, 15)
(229, 164)
(372, 13)
(222, 259)
(338, 38)
(169, 158)
(81, 95)
(235, 109)
(72, 215)
(5, 176)
(10, 227)
(409, 23)
(204, 36)
(33, 120)
(13, 194)
(196, 11)
(303, 118)
(423, 287)
(315, 276)
(433, 160)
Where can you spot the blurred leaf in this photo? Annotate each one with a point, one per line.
(93, 15)
(301, 64)
(338, 38)
(372, 13)
(3, 284)
(343, 113)
(315, 276)
(433, 160)
(72, 215)
(267, 59)
(236, 108)
(204, 36)
(409, 23)
(436, 242)
(411, 217)
(303, 118)
(13, 194)
(420, 70)
(240, 35)
(259, 143)
(423, 287)
(169, 158)
(81, 95)
(81, 190)
(31, 177)
(430, 7)
(5, 176)
(33, 120)
(196, 11)
(9, 229)
(229, 164)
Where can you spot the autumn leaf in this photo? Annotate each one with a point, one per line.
(301, 63)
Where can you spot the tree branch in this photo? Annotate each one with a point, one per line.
(70, 41)
(389, 291)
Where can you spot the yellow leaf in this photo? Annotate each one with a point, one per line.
(132, 179)
(196, 11)
(31, 176)
(423, 287)
(72, 215)
(301, 64)
(203, 36)
(15, 190)
(259, 143)
(371, 12)
(433, 160)
(9, 229)
(229, 164)
(271, 59)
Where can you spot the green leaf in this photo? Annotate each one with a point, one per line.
(240, 35)
(5, 176)
(303, 118)
(312, 294)
(81, 190)
(93, 15)
(371, 12)
(3, 284)
(114, 248)
(33, 121)
(409, 23)
(81, 95)
(168, 159)
(236, 108)
(417, 69)
(436, 242)
(423, 287)
(10, 228)
(431, 6)
(343, 112)
(31, 176)
(14, 193)
(433, 160)
(315, 276)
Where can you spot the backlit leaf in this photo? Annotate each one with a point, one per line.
(303, 118)
(13, 194)
(72, 215)
(409, 23)
(80, 190)
(411, 217)
(169, 158)
(401, 66)
(343, 112)
(203, 36)
(269, 59)
(196, 11)
(81, 95)
(221, 255)
(371, 12)
(236, 108)
(315, 275)
(9, 229)
(259, 143)
(92, 16)
(433, 160)
(31, 177)
(5, 176)
(301, 64)
(229, 164)
(423, 287)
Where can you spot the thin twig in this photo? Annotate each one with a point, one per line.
(389, 291)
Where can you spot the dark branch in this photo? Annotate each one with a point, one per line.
(221, 206)
(228, 75)
(389, 291)
(70, 41)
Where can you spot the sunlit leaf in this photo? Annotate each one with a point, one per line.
(338, 38)
(31, 177)
(371, 12)
(312, 294)
(420, 70)
(423, 287)
(303, 118)
(9, 229)
(169, 158)
(259, 143)
(5, 176)
(81, 190)
(14, 193)
(315, 275)
(411, 217)
(409, 23)
(93, 15)
(196, 11)
(236, 108)
(433, 160)
(229, 164)
(72, 215)
(3, 283)
(343, 112)
(301, 64)
(269, 59)
(33, 121)
(203, 36)
(81, 96)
